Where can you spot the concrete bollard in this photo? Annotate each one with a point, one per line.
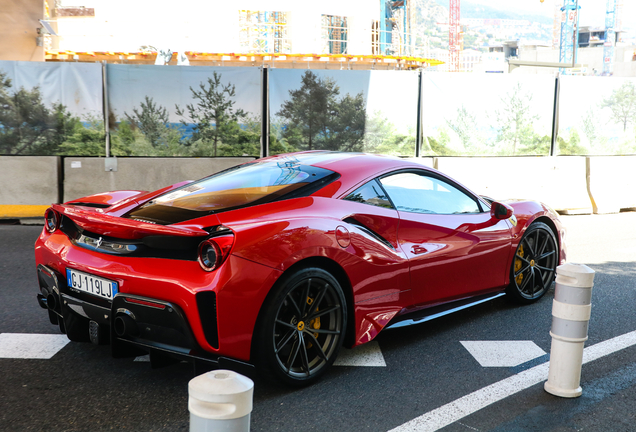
(571, 310)
(220, 400)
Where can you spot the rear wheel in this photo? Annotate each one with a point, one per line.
(534, 264)
(302, 327)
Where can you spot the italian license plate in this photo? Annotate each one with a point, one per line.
(90, 284)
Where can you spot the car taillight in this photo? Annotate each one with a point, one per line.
(51, 220)
(213, 251)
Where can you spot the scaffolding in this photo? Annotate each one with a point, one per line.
(569, 33)
(392, 34)
(264, 32)
(610, 37)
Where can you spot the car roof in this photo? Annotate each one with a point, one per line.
(349, 164)
(353, 167)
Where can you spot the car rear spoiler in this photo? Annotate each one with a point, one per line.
(118, 227)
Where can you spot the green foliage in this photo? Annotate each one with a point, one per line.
(537, 145)
(465, 126)
(381, 137)
(572, 146)
(152, 121)
(27, 127)
(516, 120)
(214, 115)
(313, 117)
(89, 140)
(439, 146)
(622, 103)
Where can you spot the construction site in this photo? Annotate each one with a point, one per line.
(330, 35)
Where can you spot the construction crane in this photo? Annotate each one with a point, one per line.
(454, 34)
(569, 32)
(610, 36)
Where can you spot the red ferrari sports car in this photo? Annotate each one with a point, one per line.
(278, 262)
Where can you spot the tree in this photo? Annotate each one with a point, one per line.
(152, 121)
(465, 126)
(89, 140)
(314, 118)
(439, 146)
(516, 119)
(622, 103)
(572, 146)
(381, 137)
(214, 114)
(27, 126)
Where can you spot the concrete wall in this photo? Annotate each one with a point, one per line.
(29, 184)
(18, 30)
(612, 183)
(86, 176)
(559, 182)
(569, 184)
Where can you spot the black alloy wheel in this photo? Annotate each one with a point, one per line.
(534, 264)
(303, 327)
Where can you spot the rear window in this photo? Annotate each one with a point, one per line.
(245, 185)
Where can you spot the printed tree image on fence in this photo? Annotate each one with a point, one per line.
(622, 103)
(316, 118)
(210, 126)
(28, 127)
(215, 118)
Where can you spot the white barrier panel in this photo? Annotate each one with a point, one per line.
(427, 161)
(612, 183)
(559, 182)
(85, 176)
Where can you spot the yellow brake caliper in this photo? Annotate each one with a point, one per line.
(314, 323)
(518, 265)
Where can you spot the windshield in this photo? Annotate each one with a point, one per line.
(249, 184)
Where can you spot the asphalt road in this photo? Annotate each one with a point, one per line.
(81, 388)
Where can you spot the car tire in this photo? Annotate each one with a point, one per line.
(534, 265)
(76, 327)
(302, 327)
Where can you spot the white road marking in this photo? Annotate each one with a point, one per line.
(31, 346)
(503, 353)
(143, 358)
(471, 403)
(368, 354)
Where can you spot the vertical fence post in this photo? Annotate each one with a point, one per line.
(418, 127)
(220, 400)
(571, 311)
(105, 105)
(555, 115)
(265, 112)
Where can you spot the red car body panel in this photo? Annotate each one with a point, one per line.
(430, 259)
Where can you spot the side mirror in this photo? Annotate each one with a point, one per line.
(501, 211)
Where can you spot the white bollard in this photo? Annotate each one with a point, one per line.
(220, 400)
(571, 311)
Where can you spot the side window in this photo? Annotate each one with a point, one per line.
(422, 194)
(370, 193)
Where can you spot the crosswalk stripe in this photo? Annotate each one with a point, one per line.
(31, 346)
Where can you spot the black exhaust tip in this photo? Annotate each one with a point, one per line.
(125, 325)
(42, 301)
(51, 301)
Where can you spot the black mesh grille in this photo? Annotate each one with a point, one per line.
(206, 302)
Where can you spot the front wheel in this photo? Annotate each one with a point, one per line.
(302, 327)
(534, 264)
